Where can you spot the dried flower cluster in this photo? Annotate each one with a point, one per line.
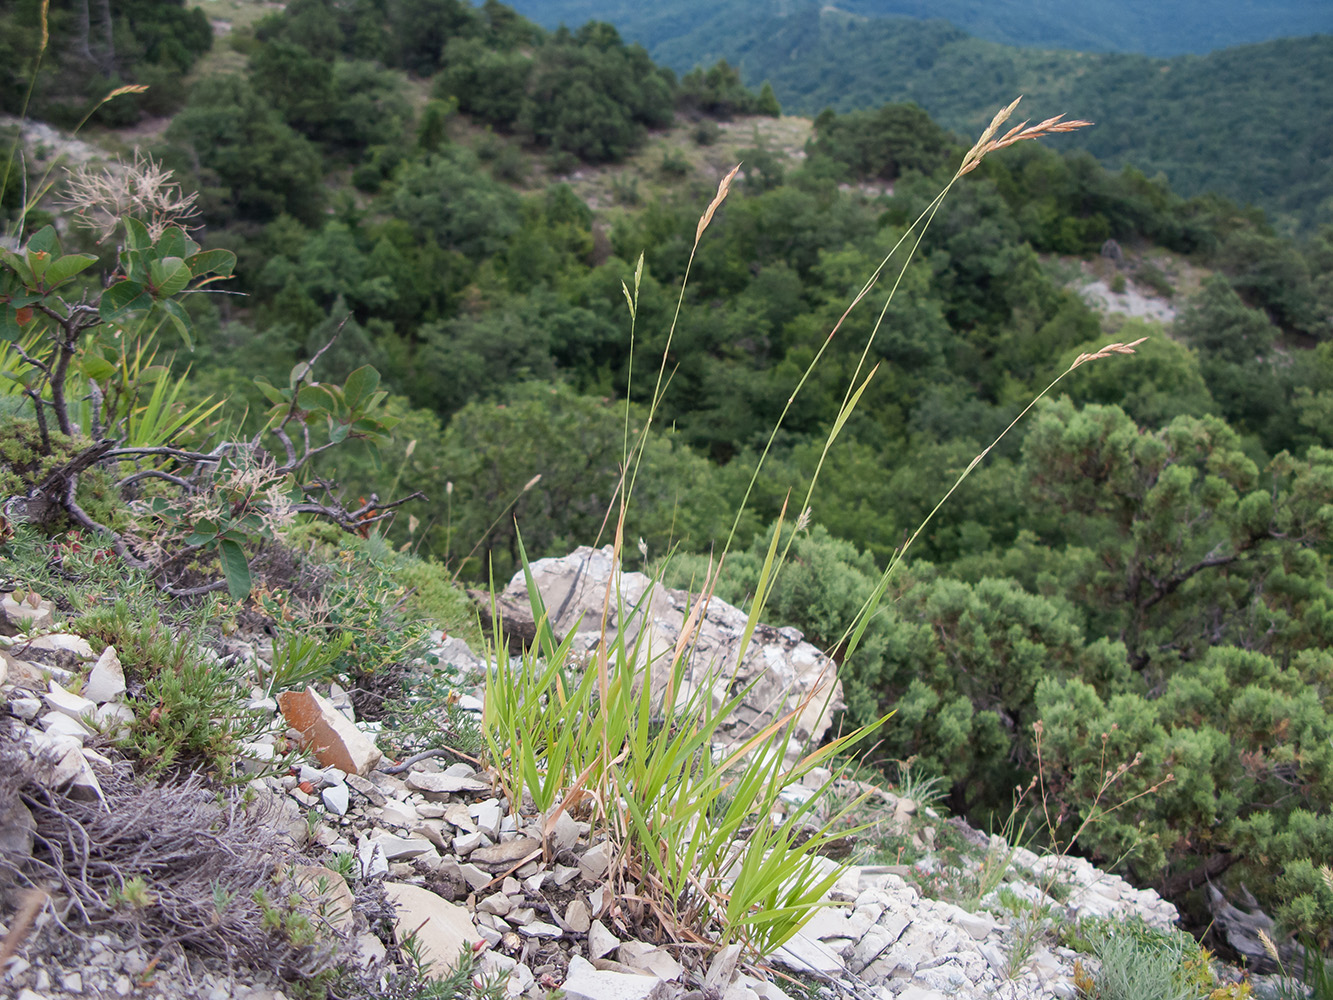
(99, 197)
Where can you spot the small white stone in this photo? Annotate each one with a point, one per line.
(497, 903)
(106, 681)
(466, 843)
(59, 724)
(372, 859)
(68, 703)
(488, 818)
(601, 941)
(336, 799)
(540, 929)
(25, 708)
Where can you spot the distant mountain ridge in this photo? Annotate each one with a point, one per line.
(1146, 27)
(1253, 122)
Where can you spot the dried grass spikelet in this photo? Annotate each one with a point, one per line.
(1269, 947)
(988, 143)
(723, 186)
(1106, 352)
(1326, 873)
(42, 19)
(100, 197)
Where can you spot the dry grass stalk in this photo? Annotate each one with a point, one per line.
(723, 187)
(30, 902)
(100, 197)
(1106, 352)
(989, 144)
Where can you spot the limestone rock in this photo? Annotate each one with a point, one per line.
(106, 682)
(584, 982)
(70, 704)
(442, 929)
(441, 786)
(600, 940)
(508, 853)
(781, 671)
(325, 731)
(24, 615)
(327, 893)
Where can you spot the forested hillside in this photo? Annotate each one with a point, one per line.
(1250, 122)
(1142, 566)
(1167, 28)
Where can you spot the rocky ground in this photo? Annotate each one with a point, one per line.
(429, 847)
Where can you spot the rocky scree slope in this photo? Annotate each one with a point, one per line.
(366, 854)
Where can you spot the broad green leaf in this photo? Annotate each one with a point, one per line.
(19, 266)
(64, 268)
(135, 265)
(38, 262)
(123, 298)
(212, 261)
(236, 568)
(360, 385)
(313, 397)
(172, 243)
(45, 240)
(180, 319)
(274, 395)
(338, 433)
(136, 235)
(96, 367)
(169, 276)
(299, 372)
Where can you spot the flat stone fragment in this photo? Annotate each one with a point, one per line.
(336, 799)
(366, 787)
(443, 929)
(106, 682)
(508, 853)
(540, 929)
(474, 876)
(466, 843)
(371, 856)
(62, 642)
(600, 940)
(805, 954)
(25, 615)
(921, 993)
(436, 786)
(327, 733)
(488, 819)
(58, 724)
(327, 893)
(584, 982)
(68, 703)
(595, 861)
(977, 925)
(400, 848)
(655, 961)
(577, 917)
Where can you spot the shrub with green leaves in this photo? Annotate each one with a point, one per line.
(84, 365)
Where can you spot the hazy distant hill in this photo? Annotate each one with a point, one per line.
(1148, 27)
(1254, 122)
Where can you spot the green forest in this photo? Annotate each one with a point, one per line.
(1157, 29)
(1142, 566)
(1251, 122)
